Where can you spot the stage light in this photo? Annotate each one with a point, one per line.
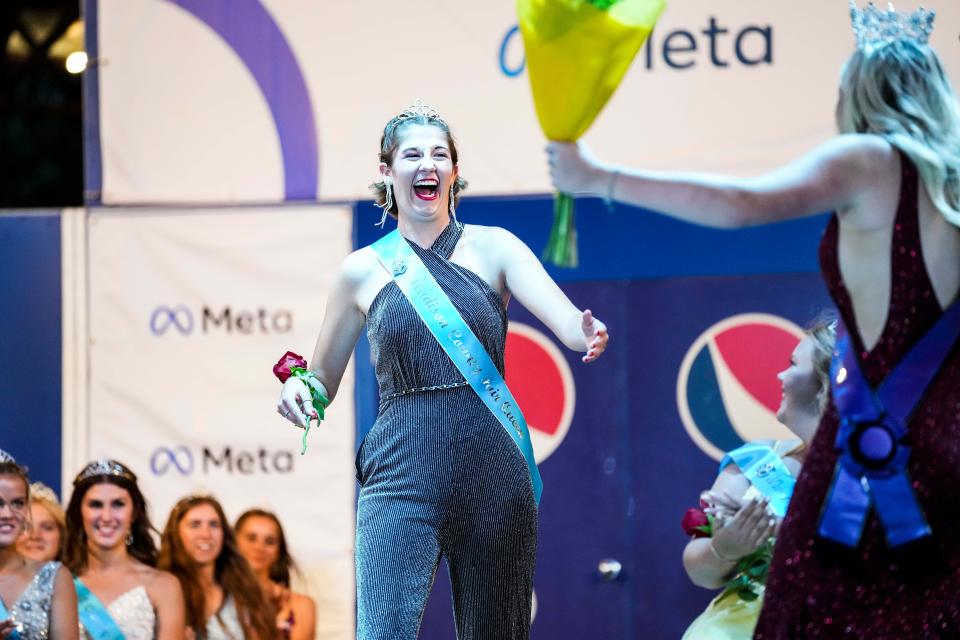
(77, 62)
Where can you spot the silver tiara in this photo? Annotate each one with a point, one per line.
(6, 457)
(874, 27)
(43, 492)
(416, 110)
(104, 467)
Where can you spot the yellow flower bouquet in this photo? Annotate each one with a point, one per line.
(577, 53)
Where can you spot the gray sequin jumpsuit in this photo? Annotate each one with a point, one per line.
(439, 475)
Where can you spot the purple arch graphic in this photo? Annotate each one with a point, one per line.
(253, 34)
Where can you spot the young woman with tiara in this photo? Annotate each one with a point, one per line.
(261, 541)
(111, 551)
(46, 534)
(871, 545)
(37, 599)
(446, 469)
(224, 601)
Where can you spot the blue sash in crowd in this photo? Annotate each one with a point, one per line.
(765, 470)
(457, 340)
(4, 615)
(873, 439)
(94, 616)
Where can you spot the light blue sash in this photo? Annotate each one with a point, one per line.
(766, 471)
(4, 615)
(94, 616)
(457, 340)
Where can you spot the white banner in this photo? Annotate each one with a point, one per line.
(239, 101)
(189, 310)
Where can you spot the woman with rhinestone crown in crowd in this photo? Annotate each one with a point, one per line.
(440, 473)
(111, 551)
(37, 599)
(870, 547)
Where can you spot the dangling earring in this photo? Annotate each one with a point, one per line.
(388, 203)
(453, 211)
(129, 537)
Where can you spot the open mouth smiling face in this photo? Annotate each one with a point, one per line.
(426, 188)
(422, 170)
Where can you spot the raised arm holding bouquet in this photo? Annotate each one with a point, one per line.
(577, 53)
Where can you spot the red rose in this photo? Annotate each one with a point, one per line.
(695, 523)
(287, 362)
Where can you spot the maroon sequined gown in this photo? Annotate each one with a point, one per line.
(817, 589)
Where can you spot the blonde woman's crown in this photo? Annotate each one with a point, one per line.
(873, 27)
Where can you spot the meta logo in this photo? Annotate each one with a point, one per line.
(180, 460)
(541, 381)
(712, 44)
(727, 388)
(181, 319)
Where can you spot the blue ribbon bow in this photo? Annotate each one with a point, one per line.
(873, 438)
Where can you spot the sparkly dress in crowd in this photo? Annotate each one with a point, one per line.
(133, 612)
(817, 589)
(225, 624)
(31, 611)
(439, 475)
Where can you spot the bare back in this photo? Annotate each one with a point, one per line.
(865, 238)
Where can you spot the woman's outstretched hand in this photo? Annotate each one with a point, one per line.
(596, 335)
(295, 403)
(573, 169)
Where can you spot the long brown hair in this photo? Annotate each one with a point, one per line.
(230, 571)
(142, 547)
(279, 570)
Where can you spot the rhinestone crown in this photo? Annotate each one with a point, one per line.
(104, 467)
(874, 27)
(416, 110)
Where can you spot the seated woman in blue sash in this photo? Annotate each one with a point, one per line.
(223, 598)
(750, 496)
(37, 599)
(110, 550)
(447, 468)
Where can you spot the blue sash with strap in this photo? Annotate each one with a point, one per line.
(457, 340)
(765, 470)
(873, 440)
(94, 616)
(4, 615)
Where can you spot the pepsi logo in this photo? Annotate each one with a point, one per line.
(727, 390)
(540, 379)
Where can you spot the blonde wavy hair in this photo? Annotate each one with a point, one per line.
(898, 90)
(823, 336)
(44, 496)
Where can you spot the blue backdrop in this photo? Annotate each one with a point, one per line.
(30, 343)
